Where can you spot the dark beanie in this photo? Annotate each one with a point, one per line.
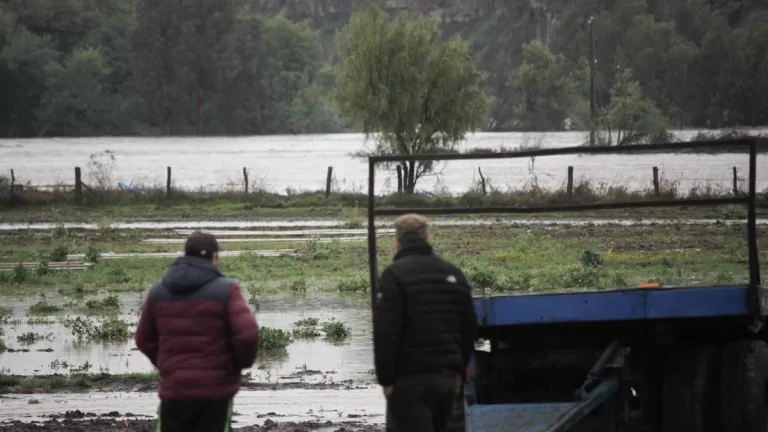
(201, 245)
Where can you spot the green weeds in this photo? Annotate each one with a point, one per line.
(31, 338)
(274, 340)
(353, 284)
(101, 330)
(44, 308)
(336, 331)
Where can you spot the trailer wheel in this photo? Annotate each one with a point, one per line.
(686, 389)
(743, 385)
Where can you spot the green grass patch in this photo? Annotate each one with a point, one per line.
(499, 258)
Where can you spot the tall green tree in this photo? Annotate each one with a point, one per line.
(411, 91)
(631, 117)
(545, 91)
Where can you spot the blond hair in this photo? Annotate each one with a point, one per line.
(411, 223)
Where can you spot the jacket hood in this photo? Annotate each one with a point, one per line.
(188, 274)
(413, 245)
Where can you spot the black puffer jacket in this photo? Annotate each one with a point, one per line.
(424, 320)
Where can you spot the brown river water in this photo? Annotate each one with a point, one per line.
(299, 162)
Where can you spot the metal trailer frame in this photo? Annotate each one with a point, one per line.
(506, 315)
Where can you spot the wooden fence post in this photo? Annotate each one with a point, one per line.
(399, 179)
(328, 180)
(245, 179)
(570, 182)
(13, 185)
(656, 185)
(735, 182)
(168, 184)
(482, 181)
(78, 186)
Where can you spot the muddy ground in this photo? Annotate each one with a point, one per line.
(78, 421)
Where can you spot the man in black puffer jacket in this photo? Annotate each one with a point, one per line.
(425, 328)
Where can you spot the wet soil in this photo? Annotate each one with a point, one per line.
(78, 421)
(117, 383)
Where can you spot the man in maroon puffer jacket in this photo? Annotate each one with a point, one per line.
(197, 330)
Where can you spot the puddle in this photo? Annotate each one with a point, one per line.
(353, 360)
(250, 407)
(332, 223)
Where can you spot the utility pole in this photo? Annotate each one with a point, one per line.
(591, 82)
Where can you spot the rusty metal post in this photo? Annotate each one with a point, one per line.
(656, 185)
(570, 182)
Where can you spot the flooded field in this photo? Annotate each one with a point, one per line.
(278, 163)
(251, 407)
(60, 352)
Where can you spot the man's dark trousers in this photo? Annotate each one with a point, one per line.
(423, 402)
(213, 415)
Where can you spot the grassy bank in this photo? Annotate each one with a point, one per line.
(107, 206)
(73, 382)
(498, 258)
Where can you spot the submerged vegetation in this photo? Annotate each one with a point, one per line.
(274, 340)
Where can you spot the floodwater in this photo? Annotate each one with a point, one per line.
(334, 223)
(250, 407)
(300, 162)
(352, 360)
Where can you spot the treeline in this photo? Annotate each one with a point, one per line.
(214, 67)
(124, 67)
(702, 63)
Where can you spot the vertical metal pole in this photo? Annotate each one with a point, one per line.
(372, 231)
(754, 258)
(591, 82)
(753, 299)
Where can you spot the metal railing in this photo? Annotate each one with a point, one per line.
(750, 199)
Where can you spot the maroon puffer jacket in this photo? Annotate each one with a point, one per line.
(198, 331)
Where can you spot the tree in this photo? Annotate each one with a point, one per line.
(408, 88)
(631, 118)
(546, 91)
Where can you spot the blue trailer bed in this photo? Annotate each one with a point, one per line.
(620, 305)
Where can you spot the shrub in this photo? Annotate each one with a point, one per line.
(591, 259)
(274, 339)
(93, 254)
(336, 331)
(298, 286)
(44, 308)
(20, 274)
(112, 329)
(109, 303)
(306, 328)
(29, 338)
(353, 284)
(3, 348)
(58, 254)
